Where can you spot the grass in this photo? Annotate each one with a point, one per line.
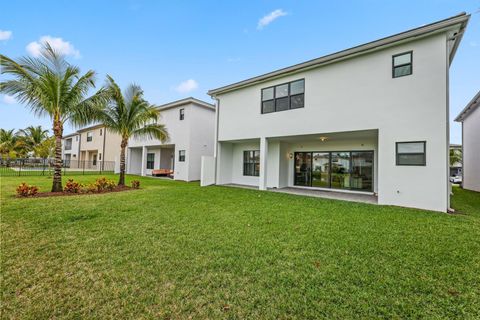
(173, 250)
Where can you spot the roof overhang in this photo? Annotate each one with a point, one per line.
(182, 102)
(471, 106)
(457, 23)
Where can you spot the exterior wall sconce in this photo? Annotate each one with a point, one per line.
(290, 155)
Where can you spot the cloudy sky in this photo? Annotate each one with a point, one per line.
(184, 48)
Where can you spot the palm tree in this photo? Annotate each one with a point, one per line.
(455, 156)
(8, 142)
(51, 87)
(129, 115)
(33, 137)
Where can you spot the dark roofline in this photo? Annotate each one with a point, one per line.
(461, 19)
(472, 105)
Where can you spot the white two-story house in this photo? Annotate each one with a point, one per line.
(470, 119)
(70, 150)
(191, 127)
(370, 119)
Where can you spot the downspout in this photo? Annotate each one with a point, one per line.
(79, 144)
(215, 146)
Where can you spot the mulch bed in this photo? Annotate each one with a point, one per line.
(63, 193)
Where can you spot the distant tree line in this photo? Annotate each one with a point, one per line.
(33, 141)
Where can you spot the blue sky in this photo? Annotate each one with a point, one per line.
(176, 49)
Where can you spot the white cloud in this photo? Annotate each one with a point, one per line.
(63, 47)
(187, 86)
(5, 35)
(9, 99)
(269, 18)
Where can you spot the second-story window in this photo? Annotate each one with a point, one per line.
(68, 144)
(89, 136)
(402, 64)
(284, 96)
(101, 131)
(182, 114)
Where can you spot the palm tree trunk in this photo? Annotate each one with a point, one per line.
(121, 181)
(57, 169)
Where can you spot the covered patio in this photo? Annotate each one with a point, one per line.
(143, 160)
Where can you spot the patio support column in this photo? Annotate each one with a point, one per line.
(144, 161)
(127, 160)
(262, 182)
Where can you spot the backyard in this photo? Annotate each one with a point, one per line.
(173, 250)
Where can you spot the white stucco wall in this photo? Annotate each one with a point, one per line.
(194, 134)
(360, 94)
(471, 151)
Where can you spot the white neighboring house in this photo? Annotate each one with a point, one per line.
(191, 126)
(370, 119)
(70, 147)
(470, 119)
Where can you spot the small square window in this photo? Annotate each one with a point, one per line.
(89, 136)
(402, 64)
(181, 155)
(411, 153)
(182, 114)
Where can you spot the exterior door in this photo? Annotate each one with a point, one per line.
(321, 170)
(303, 169)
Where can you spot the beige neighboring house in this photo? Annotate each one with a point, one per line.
(96, 146)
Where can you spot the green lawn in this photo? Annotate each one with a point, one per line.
(173, 250)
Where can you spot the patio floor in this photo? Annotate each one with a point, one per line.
(346, 196)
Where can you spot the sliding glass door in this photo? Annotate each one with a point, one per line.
(362, 170)
(351, 170)
(303, 169)
(321, 170)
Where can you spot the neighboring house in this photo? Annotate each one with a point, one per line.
(191, 127)
(93, 146)
(456, 167)
(371, 119)
(70, 148)
(470, 119)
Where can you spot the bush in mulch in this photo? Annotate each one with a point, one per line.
(25, 190)
(101, 185)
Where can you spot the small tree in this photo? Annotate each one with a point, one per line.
(46, 149)
(455, 156)
(32, 137)
(129, 115)
(51, 87)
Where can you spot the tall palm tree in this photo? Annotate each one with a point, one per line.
(51, 87)
(33, 137)
(129, 115)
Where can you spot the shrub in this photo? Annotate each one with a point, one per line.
(89, 188)
(135, 184)
(24, 190)
(72, 186)
(104, 184)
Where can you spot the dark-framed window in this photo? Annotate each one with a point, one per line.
(251, 163)
(182, 114)
(68, 144)
(411, 153)
(99, 157)
(181, 155)
(101, 131)
(89, 136)
(285, 96)
(402, 64)
(150, 160)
